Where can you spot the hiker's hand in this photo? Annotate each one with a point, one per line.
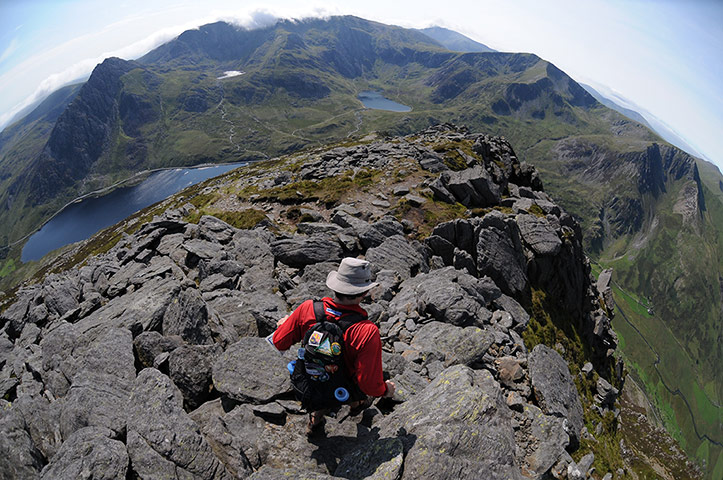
(390, 389)
(280, 322)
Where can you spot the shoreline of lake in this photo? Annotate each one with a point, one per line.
(129, 183)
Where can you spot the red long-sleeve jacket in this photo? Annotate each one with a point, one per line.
(362, 343)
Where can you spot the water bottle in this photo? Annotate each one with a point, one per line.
(341, 394)
(290, 366)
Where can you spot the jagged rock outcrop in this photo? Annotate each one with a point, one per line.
(150, 357)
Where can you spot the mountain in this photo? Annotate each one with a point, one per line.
(635, 115)
(641, 203)
(631, 114)
(150, 356)
(454, 41)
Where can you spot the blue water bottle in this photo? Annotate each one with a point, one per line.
(341, 394)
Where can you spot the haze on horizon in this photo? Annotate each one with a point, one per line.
(661, 58)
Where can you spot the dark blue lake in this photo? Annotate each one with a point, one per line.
(376, 101)
(81, 220)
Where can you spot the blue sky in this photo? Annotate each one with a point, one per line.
(661, 57)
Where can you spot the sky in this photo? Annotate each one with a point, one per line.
(662, 58)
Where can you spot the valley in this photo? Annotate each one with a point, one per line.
(647, 209)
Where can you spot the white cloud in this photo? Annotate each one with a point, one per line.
(9, 50)
(249, 19)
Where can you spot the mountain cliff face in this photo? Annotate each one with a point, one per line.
(493, 329)
(639, 202)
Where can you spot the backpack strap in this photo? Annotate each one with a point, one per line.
(344, 322)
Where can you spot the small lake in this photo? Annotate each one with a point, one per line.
(376, 101)
(81, 220)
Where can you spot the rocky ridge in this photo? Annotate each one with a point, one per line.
(148, 360)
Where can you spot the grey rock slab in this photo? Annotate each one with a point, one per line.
(226, 441)
(555, 390)
(458, 427)
(189, 366)
(148, 345)
(187, 316)
(61, 294)
(42, 422)
(455, 344)
(203, 249)
(472, 187)
(251, 371)
(162, 438)
(90, 452)
(381, 460)
(269, 473)
(235, 309)
(520, 317)
(458, 232)
(549, 440)
(100, 387)
(499, 256)
(408, 384)
(398, 255)
(306, 250)
(215, 230)
(539, 235)
(20, 458)
(138, 311)
(447, 295)
(375, 234)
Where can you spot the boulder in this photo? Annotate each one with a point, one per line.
(234, 309)
(375, 234)
(539, 235)
(380, 460)
(162, 439)
(302, 250)
(555, 390)
(20, 458)
(458, 427)
(61, 294)
(226, 441)
(251, 370)
(90, 452)
(550, 441)
(252, 249)
(189, 366)
(269, 473)
(148, 345)
(499, 256)
(453, 344)
(42, 422)
(187, 316)
(446, 295)
(606, 292)
(100, 388)
(398, 255)
(215, 230)
(472, 187)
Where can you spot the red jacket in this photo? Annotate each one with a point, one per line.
(362, 343)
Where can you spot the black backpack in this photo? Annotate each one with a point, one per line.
(319, 372)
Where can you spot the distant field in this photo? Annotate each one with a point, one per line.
(695, 425)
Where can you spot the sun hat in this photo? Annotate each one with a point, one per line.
(353, 277)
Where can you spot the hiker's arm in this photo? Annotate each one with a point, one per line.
(291, 330)
(368, 367)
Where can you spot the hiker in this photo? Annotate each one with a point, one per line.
(361, 345)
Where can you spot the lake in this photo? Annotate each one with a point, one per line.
(376, 101)
(81, 220)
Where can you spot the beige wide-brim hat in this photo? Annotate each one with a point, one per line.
(353, 277)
